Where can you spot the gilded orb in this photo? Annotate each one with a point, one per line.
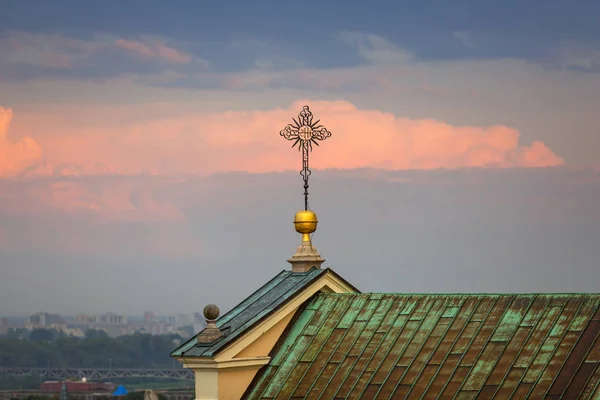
(305, 223)
(211, 312)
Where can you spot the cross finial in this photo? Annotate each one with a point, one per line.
(305, 132)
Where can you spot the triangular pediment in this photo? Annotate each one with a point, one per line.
(251, 330)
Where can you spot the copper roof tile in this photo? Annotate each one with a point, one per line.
(427, 346)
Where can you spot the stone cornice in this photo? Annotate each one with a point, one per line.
(196, 363)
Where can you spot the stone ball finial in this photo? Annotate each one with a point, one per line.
(211, 332)
(211, 312)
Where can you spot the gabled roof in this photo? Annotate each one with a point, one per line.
(437, 346)
(274, 294)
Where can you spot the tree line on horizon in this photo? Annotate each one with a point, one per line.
(45, 349)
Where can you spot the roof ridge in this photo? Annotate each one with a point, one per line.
(368, 294)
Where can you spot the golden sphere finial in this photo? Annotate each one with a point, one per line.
(305, 223)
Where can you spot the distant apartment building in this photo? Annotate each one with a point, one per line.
(183, 320)
(4, 326)
(156, 328)
(43, 319)
(74, 332)
(84, 319)
(110, 319)
(149, 316)
(38, 319)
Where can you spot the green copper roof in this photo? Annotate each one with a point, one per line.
(422, 346)
(282, 288)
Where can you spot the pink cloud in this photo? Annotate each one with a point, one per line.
(47, 50)
(135, 46)
(101, 202)
(63, 52)
(171, 54)
(168, 142)
(16, 157)
(102, 215)
(155, 50)
(536, 154)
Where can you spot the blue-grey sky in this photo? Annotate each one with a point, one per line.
(140, 150)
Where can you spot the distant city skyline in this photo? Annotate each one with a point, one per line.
(112, 324)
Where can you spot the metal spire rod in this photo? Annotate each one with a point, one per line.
(304, 132)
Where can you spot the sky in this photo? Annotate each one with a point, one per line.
(141, 166)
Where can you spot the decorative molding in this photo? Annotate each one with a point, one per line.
(203, 363)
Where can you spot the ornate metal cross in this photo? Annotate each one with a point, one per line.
(305, 132)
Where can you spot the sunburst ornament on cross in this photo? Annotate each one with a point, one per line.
(305, 132)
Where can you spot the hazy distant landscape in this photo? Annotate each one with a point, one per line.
(106, 341)
(45, 348)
